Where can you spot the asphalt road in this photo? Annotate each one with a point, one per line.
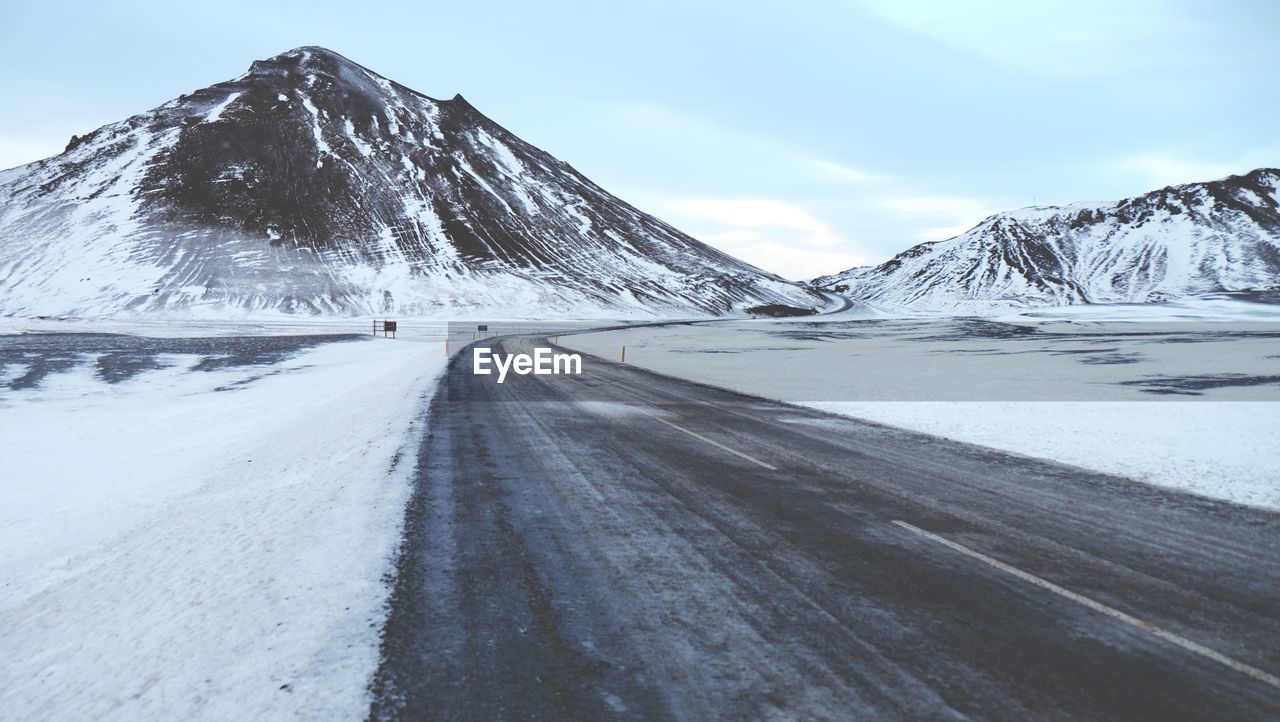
(627, 545)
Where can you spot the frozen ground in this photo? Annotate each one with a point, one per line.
(1226, 449)
(1187, 396)
(191, 529)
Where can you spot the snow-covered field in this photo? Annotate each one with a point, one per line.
(1185, 396)
(207, 534)
(1222, 449)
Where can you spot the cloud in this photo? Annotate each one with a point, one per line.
(760, 213)
(846, 173)
(937, 218)
(774, 235)
(659, 137)
(1057, 37)
(1164, 169)
(784, 259)
(751, 193)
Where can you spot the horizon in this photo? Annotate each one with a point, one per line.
(811, 183)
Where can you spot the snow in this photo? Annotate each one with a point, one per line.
(216, 114)
(1215, 308)
(393, 125)
(572, 209)
(466, 167)
(321, 145)
(365, 149)
(1226, 450)
(92, 231)
(512, 168)
(175, 551)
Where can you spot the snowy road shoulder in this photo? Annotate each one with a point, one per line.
(1220, 449)
(190, 544)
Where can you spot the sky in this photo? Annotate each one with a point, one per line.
(805, 137)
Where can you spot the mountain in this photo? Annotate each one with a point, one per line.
(311, 184)
(1223, 235)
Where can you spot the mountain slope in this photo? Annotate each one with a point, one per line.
(311, 184)
(1221, 235)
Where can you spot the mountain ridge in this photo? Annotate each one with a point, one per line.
(1180, 240)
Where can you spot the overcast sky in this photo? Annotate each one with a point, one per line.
(803, 137)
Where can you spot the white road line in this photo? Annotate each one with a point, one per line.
(1148, 627)
(716, 444)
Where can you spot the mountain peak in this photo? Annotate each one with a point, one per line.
(308, 54)
(313, 64)
(310, 59)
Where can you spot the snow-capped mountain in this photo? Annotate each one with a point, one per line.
(311, 184)
(1181, 240)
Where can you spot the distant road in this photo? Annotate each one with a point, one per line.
(846, 303)
(628, 545)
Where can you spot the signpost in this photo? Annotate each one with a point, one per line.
(385, 328)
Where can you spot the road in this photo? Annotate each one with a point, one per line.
(625, 545)
(845, 302)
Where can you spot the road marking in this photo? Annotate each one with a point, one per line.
(1148, 627)
(716, 444)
